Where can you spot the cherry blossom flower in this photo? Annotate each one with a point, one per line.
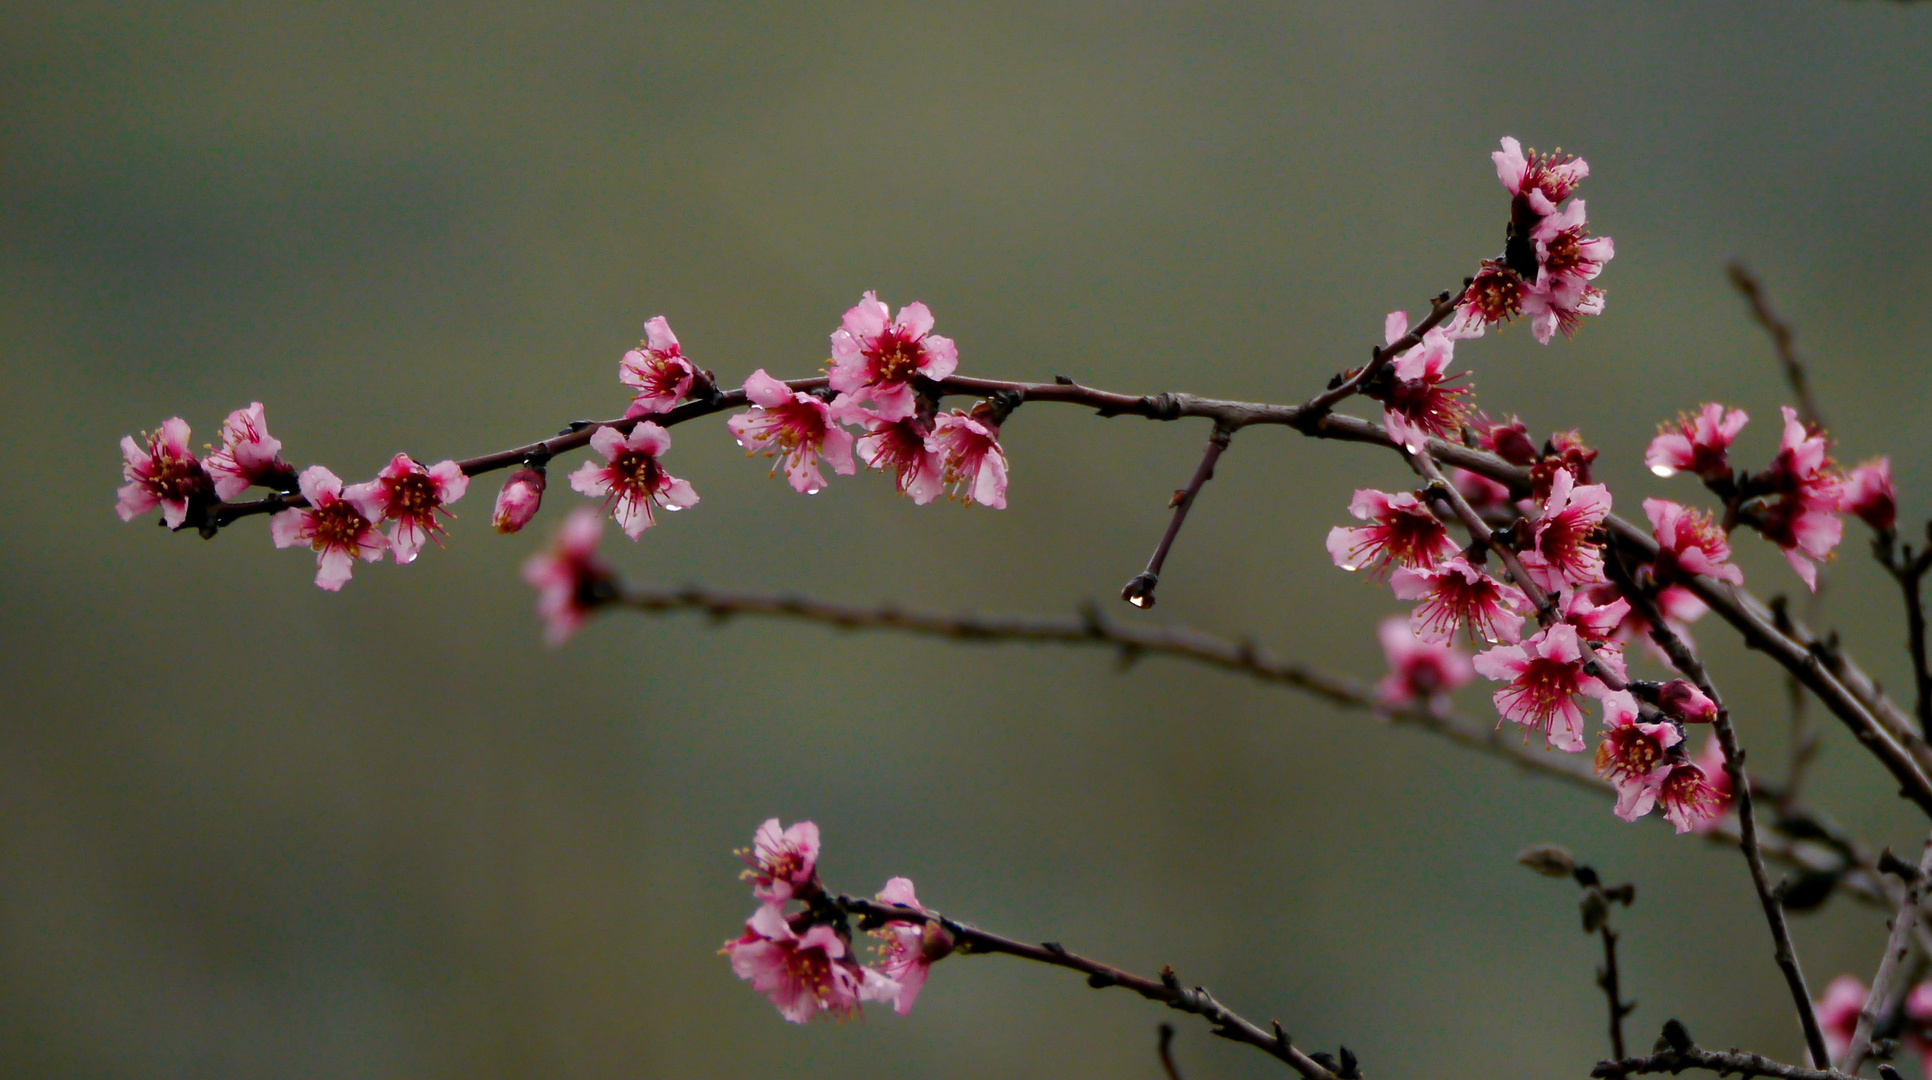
(1420, 402)
(1542, 180)
(1563, 450)
(1868, 493)
(1457, 595)
(901, 446)
(1710, 761)
(1405, 533)
(1564, 553)
(783, 863)
(570, 579)
(632, 481)
(161, 471)
(1559, 302)
(971, 461)
(1597, 614)
(1420, 672)
(410, 495)
(336, 523)
(248, 456)
(1634, 754)
(1545, 675)
(909, 949)
(1837, 1014)
(1688, 543)
(795, 428)
(1565, 251)
(1685, 702)
(519, 500)
(1479, 491)
(1688, 797)
(1803, 520)
(1510, 441)
(879, 359)
(1494, 295)
(1697, 444)
(657, 370)
(1806, 535)
(803, 974)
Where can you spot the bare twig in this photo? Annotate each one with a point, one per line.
(1731, 1063)
(1167, 989)
(1897, 945)
(1782, 340)
(1908, 569)
(1443, 306)
(1172, 1070)
(1139, 591)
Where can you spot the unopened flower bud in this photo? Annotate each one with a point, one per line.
(517, 503)
(1869, 495)
(1686, 702)
(1549, 860)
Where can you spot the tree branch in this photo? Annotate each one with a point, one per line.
(1140, 590)
(1897, 945)
(1782, 340)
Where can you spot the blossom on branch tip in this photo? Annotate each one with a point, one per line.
(410, 495)
(1405, 533)
(1494, 295)
(1420, 672)
(657, 370)
(970, 459)
(1689, 543)
(1634, 754)
(782, 863)
(1510, 441)
(161, 471)
(571, 581)
(1458, 595)
(878, 359)
(1541, 179)
(336, 523)
(803, 974)
(1697, 444)
(1688, 798)
(1598, 615)
(632, 481)
(795, 428)
(521, 497)
(1420, 401)
(1565, 551)
(1868, 493)
(908, 950)
(901, 446)
(1545, 675)
(248, 457)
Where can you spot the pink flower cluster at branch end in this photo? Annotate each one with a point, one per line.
(161, 471)
(1549, 259)
(1868, 493)
(1803, 518)
(803, 959)
(339, 524)
(632, 480)
(657, 370)
(249, 456)
(570, 579)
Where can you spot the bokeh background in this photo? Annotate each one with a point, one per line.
(252, 829)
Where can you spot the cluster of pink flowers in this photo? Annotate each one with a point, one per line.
(1838, 1013)
(1549, 259)
(802, 958)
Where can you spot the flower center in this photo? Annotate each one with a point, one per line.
(337, 525)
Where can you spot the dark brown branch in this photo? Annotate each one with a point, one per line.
(1782, 340)
(1443, 306)
(1140, 590)
(1167, 989)
(1769, 898)
(1731, 1063)
(1908, 569)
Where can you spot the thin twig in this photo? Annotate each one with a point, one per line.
(1443, 306)
(1908, 569)
(1172, 1070)
(1732, 1063)
(1782, 340)
(1139, 591)
(1167, 989)
(1607, 979)
(1897, 945)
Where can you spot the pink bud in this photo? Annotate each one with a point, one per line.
(519, 500)
(1686, 702)
(1869, 494)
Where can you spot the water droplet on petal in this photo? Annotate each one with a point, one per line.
(812, 491)
(1350, 567)
(1663, 470)
(1138, 601)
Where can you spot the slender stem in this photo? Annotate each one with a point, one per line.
(1782, 340)
(1607, 978)
(1441, 308)
(1167, 989)
(1897, 945)
(1733, 1063)
(1139, 591)
(1909, 571)
(1172, 1070)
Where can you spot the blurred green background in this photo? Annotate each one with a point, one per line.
(252, 829)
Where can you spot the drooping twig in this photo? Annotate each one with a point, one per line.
(1897, 945)
(1551, 860)
(1172, 1070)
(1167, 989)
(1769, 899)
(1782, 340)
(1139, 591)
(1908, 569)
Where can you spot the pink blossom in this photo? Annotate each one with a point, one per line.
(803, 974)
(1838, 1013)
(1542, 179)
(1479, 491)
(161, 471)
(1598, 615)
(1559, 302)
(519, 500)
(1918, 1028)
(1565, 251)
(971, 461)
(1545, 676)
(1688, 797)
(248, 456)
(1457, 595)
(1685, 702)
(795, 428)
(1420, 402)
(901, 446)
(783, 863)
(336, 523)
(570, 579)
(410, 495)
(1510, 441)
(909, 949)
(1868, 493)
(879, 359)
(632, 481)
(1803, 534)
(1420, 672)
(1494, 295)
(1634, 754)
(1689, 543)
(1405, 533)
(1803, 520)
(1565, 551)
(1562, 450)
(1697, 444)
(657, 370)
